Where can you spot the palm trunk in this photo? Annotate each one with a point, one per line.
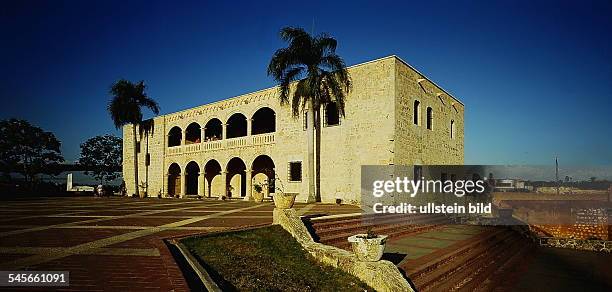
(135, 161)
(317, 155)
(311, 156)
(147, 166)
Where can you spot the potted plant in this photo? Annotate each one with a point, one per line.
(368, 247)
(281, 199)
(258, 195)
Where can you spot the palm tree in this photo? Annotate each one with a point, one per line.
(125, 107)
(321, 77)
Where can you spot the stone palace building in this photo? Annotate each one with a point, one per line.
(394, 116)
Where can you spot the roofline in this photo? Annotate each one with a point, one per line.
(427, 78)
(348, 67)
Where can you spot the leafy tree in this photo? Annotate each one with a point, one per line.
(101, 157)
(321, 77)
(28, 150)
(125, 108)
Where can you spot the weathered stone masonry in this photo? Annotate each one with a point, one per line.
(379, 129)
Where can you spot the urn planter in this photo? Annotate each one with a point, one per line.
(258, 196)
(284, 200)
(368, 249)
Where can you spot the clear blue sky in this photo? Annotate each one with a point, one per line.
(536, 78)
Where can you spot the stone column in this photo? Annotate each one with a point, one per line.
(183, 137)
(202, 134)
(183, 184)
(249, 126)
(166, 192)
(249, 185)
(224, 183)
(224, 131)
(201, 180)
(206, 187)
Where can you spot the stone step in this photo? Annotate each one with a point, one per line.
(445, 273)
(362, 226)
(340, 239)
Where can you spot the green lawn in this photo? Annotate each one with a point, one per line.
(267, 259)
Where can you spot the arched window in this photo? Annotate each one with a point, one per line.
(236, 126)
(416, 110)
(193, 133)
(175, 136)
(332, 114)
(429, 118)
(452, 129)
(264, 121)
(213, 130)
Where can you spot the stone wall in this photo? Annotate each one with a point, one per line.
(375, 131)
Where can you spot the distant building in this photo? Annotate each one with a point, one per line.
(394, 116)
(511, 185)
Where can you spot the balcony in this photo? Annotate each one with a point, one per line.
(239, 142)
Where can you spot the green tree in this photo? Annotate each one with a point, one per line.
(125, 108)
(101, 156)
(320, 77)
(28, 150)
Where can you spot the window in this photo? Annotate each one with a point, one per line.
(418, 172)
(332, 115)
(429, 118)
(137, 146)
(415, 112)
(148, 159)
(452, 129)
(295, 171)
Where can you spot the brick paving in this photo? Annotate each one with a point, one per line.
(116, 244)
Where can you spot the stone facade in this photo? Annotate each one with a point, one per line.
(378, 129)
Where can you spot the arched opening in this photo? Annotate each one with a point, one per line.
(213, 130)
(236, 178)
(332, 115)
(213, 178)
(416, 111)
(236, 126)
(452, 129)
(175, 136)
(429, 118)
(192, 172)
(263, 173)
(264, 121)
(193, 133)
(174, 180)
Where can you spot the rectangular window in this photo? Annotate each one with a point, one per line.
(148, 159)
(295, 171)
(137, 146)
(418, 172)
(331, 114)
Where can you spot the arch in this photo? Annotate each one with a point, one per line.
(264, 172)
(332, 114)
(175, 136)
(236, 178)
(236, 126)
(264, 121)
(193, 133)
(212, 170)
(192, 172)
(174, 180)
(213, 130)
(452, 129)
(416, 110)
(429, 118)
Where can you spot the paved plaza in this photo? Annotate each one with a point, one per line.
(117, 244)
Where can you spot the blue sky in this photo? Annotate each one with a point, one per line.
(535, 76)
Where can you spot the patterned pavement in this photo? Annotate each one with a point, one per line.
(115, 244)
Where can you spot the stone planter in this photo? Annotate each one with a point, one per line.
(368, 249)
(284, 200)
(258, 196)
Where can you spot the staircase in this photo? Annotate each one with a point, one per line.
(434, 254)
